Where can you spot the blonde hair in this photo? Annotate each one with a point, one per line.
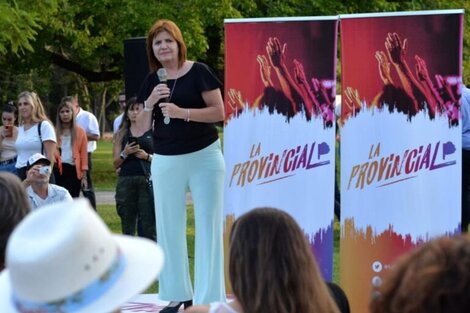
(38, 113)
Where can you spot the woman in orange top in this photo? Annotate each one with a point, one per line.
(72, 156)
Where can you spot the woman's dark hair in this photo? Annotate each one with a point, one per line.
(14, 206)
(125, 123)
(433, 278)
(10, 107)
(272, 268)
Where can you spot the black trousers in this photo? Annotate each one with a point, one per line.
(89, 193)
(68, 179)
(465, 189)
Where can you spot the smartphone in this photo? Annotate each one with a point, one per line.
(8, 131)
(44, 170)
(133, 140)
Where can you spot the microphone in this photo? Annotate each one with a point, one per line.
(162, 77)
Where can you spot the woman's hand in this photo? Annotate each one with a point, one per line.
(84, 182)
(171, 110)
(131, 148)
(161, 91)
(141, 154)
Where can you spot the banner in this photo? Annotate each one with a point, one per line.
(400, 140)
(279, 135)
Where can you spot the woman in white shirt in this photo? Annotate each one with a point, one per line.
(35, 133)
(8, 134)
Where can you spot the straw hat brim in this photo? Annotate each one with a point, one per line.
(144, 261)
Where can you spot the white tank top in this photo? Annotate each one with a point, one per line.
(7, 150)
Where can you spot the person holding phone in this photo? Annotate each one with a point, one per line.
(132, 153)
(40, 192)
(8, 134)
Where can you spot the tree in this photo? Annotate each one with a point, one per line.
(20, 23)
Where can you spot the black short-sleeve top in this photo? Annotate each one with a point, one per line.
(179, 136)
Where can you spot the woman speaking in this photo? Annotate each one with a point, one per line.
(183, 104)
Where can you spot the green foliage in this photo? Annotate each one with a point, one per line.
(20, 22)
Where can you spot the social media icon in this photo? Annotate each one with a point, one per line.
(375, 294)
(377, 266)
(376, 281)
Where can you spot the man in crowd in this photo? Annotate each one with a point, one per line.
(89, 123)
(40, 192)
(122, 106)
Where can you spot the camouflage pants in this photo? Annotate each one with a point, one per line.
(133, 202)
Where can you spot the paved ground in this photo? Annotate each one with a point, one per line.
(107, 197)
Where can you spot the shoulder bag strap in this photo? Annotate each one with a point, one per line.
(40, 137)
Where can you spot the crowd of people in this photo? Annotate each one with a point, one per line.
(52, 161)
(166, 143)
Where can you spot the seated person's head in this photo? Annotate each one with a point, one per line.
(433, 278)
(14, 205)
(39, 168)
(63, 258)
(271, 265)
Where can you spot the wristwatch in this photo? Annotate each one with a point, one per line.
(123, 155)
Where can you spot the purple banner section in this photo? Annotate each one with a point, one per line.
(322, 247)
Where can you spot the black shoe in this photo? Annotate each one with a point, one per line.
(173, 306)
(188, 303)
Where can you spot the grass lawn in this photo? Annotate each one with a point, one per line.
(104, 177)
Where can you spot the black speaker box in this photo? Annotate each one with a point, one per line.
(135, 65)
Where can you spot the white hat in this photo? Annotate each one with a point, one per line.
(36, 158)
(63, 258)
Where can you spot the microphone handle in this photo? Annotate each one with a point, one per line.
(166, 119)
